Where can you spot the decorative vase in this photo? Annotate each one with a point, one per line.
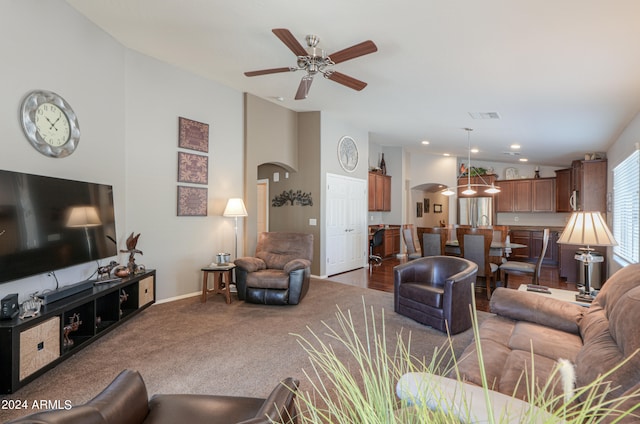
(383, 165)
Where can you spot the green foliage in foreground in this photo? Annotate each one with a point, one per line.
(361, 388)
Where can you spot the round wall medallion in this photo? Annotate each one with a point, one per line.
(348, 154)
(50, 124)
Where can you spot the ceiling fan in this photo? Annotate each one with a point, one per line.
(313, 60)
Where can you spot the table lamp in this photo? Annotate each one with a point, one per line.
(590, 229)
(235, 208)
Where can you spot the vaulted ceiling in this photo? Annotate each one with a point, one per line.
(562, 76)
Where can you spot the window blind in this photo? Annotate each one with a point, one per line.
(626, 208)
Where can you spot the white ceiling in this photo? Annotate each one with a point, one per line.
(563, 75)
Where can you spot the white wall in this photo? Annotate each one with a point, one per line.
(128, 107)
(628, 141)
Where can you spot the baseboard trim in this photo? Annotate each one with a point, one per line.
(182, 296)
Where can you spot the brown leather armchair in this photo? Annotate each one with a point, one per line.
(436, 291)
(125, 401)
(279, 273)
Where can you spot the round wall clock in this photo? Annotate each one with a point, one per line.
(50, 124)
(348, 154)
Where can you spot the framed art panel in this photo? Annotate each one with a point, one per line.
(193, 135)
(437, 208)
(193, 168)
(419, 209)
(192, 201)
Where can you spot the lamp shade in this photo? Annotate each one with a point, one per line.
(83, 216)
(587, 228)
(235, 207)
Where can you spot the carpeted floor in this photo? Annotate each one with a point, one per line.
(239, 349)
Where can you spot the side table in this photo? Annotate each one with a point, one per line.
(222, 275)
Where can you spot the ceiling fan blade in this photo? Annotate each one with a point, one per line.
(290, 41)
(366, 47)
(267, 71)
(346, 80)
(303, 88)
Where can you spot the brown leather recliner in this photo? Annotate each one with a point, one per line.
(436, 291)
(125, 401)
(279, 273)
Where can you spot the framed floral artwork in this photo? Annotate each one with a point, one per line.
(193, 135)
(192, 201)
(193, 168)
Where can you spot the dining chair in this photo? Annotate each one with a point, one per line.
(526, 268)
(407, 236)
(432, 240)
(475, 245)
(500, 233)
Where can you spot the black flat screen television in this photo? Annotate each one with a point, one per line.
(49, 223)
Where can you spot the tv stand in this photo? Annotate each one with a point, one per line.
(30, 347)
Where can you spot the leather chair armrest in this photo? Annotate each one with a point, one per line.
(296, 264)
(279, 407)
(125, 400)
(250, 264)
(525, 306)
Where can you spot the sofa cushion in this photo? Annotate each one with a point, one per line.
(525, 306)
(268, 278)
(549, 342)
(278, 248)
(519, 368)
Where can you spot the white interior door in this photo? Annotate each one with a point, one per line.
(346, 224)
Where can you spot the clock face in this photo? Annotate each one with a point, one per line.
(52, 124)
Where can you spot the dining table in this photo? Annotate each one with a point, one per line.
(498, 248)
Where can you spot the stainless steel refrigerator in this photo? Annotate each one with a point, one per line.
(475, 211)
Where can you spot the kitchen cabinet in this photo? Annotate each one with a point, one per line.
(526, 195)
(543, 195)
(391, 243)
(582, 187)
(533, 240)
(379, 192)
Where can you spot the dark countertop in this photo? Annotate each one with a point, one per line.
(534, 228)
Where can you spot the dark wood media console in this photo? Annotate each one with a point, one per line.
(29, 347)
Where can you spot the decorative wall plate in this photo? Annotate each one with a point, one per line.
(348, 154)
(511, 174)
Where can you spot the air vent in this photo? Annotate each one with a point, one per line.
(484, 115)
(511, 153)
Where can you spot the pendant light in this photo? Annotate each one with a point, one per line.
(469, 191)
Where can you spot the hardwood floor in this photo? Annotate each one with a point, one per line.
(380, 277)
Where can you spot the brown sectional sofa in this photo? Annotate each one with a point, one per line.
(594, 339)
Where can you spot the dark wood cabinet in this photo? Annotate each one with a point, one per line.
(563, 190)
(543, 195)
(29, 347)
(582, 187)
(379, 192)
(526, 195)
(533, 240)
(391, 242)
